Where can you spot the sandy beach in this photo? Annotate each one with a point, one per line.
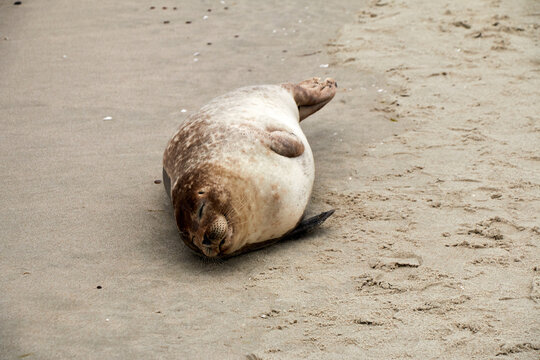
(429, 153)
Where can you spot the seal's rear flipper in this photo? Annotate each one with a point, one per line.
(311, 95)
(309, 224)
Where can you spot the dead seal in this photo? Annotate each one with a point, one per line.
(240, 171)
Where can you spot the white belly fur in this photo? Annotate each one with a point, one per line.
(283, 184)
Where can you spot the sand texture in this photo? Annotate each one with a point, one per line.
(430, 154)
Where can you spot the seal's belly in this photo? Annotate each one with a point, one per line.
(283, 186)
(280, 186)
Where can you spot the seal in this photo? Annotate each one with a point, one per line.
(240, 171)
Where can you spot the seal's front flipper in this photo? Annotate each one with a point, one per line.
(167, 182)
(309, 224)
(303, 227)
(311, 95)
(286, 144)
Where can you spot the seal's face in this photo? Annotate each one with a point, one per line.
(205, 220)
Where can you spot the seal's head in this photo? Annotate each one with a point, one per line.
(205, 216)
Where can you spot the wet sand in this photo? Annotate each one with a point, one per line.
(429, 153)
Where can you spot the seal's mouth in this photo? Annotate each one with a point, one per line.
(210, 250)
(209, 234)
(214, 243)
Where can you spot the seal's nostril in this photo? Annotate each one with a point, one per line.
(206, 241)
(221, 243)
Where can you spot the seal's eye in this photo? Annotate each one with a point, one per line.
(201, 209)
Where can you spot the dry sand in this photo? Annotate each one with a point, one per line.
(429, 153)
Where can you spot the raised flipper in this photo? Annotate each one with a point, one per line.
(303, 227)
(311, 95)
